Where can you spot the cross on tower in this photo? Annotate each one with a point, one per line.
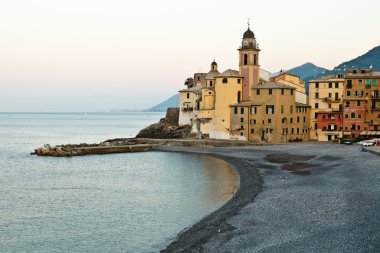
(248, 22)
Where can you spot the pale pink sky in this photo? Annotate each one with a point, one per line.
(90, 55)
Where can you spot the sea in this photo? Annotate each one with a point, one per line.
(133, 202)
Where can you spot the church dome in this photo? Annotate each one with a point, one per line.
(248, 34)
(214, 63)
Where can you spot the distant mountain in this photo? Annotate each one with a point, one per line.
(307, 70)
(371, 59)
(170, 102)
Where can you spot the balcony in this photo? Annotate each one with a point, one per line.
(188, 109)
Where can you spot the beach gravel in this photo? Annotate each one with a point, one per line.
(310, 197)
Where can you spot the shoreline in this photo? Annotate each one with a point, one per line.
(250, 185)
(294, 198)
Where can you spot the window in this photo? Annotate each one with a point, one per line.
(291, 92)
(282, 109)
(282, 91)
(346, 116)
(367, 82)
(269, 121)
(188, 95)
(241, 133)
(241, 119)
(349, 84)
(360, 81)
(336, 96)
(235, 110)
(347, 104)
(270, 109)
(355, 71)
(291, 120)
(242, 110)
(239, 96)
(257, 92)
(298, 130)
(315, 125)
(330, 94)
(253, 109)
(291, 109)
(316, 105)
(292, 130)
(253, 122)
(348, 93)
(352, 115)
(359, 116)
(315, 115)
(374, 82)
(270, 91)
(245, 59)
(357, 103)
(316, 85)
(255, 59)
(298, 119)
(336, 85)
(329, 106)
(304, 119)
(225, 80)
(252, 131)
(317, 95)
(363, 71)
(239, 80)
(284, 131)
(330, 85)
(323, 116)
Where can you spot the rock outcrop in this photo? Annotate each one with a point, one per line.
(164, 130)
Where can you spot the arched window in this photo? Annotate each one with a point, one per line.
(245, 59)
(210, 83)
(238, 96)
(284, 120)
(225, 80)
(255, 59)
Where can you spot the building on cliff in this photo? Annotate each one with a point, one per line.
(246, 104)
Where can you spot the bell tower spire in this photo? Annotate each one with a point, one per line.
(249, 62)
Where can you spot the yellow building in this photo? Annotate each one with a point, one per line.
(272, 116)
(293, 81)
(325, 95)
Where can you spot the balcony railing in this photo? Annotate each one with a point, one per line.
(188, 109)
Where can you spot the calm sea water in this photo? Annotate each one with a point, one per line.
(111, 203)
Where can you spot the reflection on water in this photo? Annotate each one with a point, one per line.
(225, 178)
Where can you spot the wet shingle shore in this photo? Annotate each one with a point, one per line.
(308, 197)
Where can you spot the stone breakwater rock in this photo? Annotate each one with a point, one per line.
(164, 130)
(57, 151)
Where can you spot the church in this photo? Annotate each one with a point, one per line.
(246, 104)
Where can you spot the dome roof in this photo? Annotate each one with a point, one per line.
(248, 34)
(214, 63)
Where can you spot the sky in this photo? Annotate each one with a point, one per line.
(100, 55)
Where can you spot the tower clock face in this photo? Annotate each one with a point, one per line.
(245, 43)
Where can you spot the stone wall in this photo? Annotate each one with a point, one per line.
(172, 115)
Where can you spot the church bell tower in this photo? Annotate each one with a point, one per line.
(249, 63)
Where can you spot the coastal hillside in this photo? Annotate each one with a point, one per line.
(307, 70)
(371, 59)
(173, 101)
